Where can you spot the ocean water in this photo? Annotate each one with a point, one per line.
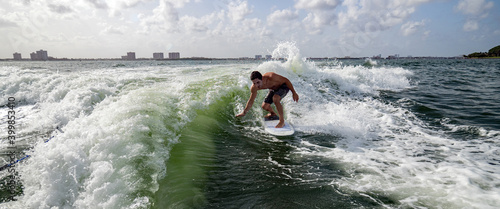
(162, 134)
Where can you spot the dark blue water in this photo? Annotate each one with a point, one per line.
(460, 92)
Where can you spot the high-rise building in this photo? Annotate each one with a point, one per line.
(131, 55)
(174, 55)
(42, 55)
(258, 57)
(158, 55)
(33, 56)
(17, 56)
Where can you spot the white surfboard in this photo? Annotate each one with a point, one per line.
(269, 127)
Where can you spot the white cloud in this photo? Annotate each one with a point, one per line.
(282, 17)
(410, 28)
(194, 24)
(426, 34)
(471, 25)
(373, 16)
(238, 10)
(165, 17)
(317, 4)
(179, 3)
(117, 30)
(475, 10)
(265, 33)
(98, 4)
(361, 22)
(6, 23)
(321, 14)
(474, 7)
(60, 9)
(201, 24)
(319, 19)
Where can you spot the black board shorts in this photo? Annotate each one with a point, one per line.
(281, 91)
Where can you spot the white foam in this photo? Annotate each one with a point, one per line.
(386, 148)
(119, 126)
(100, 156)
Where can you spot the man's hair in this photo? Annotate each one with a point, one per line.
(255, 74)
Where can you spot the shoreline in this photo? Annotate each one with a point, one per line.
(246, 59)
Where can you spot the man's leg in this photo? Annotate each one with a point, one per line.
(267, 107)
(277, 102)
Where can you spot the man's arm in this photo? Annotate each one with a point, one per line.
(253, 95)
(290, 86)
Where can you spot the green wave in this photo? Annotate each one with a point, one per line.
(192, 158)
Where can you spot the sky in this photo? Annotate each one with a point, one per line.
(239, 28)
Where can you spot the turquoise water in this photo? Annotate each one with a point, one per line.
(162, 134)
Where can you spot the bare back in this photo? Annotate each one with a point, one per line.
(272, 81)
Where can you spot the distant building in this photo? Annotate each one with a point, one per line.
(158, 55)
(258, 57)
(42, 55)
(17, 56)
(174, 55)
(39, 55)
(131, 55)
(268, 57)
(396, 56)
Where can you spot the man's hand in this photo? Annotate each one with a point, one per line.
(296, 97)
(241, 114)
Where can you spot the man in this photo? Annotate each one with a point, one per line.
(278, 88)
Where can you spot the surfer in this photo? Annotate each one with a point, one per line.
(278, 88)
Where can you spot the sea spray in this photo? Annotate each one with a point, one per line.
(100, 155)
(113, 154)
(369, 63)
(294, 62)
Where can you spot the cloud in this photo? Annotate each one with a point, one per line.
(165, 17)
(321, 14)
(320, 19)
(282, 17)
(116, 8)
(6, 23)
(317, 4)
(471, 25)
(98, 4)
(474, 7)
(60, 9)
(238, 10)
(199, 24)
(361, 22)
(373, 16)
(475, 10)
(116, 30)
(410, 28)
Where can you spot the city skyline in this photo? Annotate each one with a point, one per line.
(236, 28)
(43, 55)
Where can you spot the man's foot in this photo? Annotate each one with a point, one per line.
(280, 124)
